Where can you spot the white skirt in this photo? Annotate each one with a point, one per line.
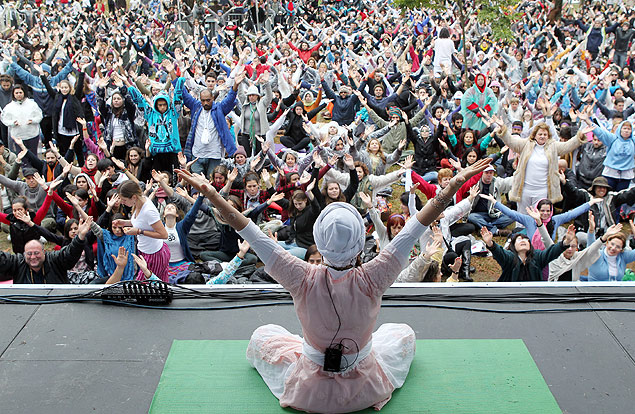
(393, 345)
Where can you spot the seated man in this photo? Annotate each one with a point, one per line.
(29, 188)
(37, 266)
(483, 213)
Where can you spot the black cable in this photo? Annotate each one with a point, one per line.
(274, 297)
(339, 321)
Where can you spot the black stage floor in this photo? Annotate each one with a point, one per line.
(96, 358)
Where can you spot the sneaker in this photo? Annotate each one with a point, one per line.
(503, 233)
(43, 240)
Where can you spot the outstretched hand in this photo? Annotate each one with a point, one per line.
(570, 235)
(487, 236)
(121, 260)
(469, 171)
(198, 182)
(534, 214)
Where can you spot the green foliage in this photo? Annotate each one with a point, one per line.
(417, 4)
(499, 14)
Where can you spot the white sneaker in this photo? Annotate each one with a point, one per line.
(43, 240)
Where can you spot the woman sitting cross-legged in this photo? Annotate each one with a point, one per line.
(337, 303)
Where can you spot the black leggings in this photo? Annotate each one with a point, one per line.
(462, 229)
(64, 143)
(46, 125)
(244, 140)
(294, 144)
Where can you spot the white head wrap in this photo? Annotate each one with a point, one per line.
(339, 234)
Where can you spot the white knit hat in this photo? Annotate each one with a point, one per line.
(339, 234)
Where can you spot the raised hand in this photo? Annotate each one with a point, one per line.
(40, 180)
(275, 197)
(72, 199)
(474, 191)
(455, 163)
(141, 262)
(317, 159)
(266, 146)
(182, 192)
(436, 233)
(167, 65)
(570, 235)
(53, 185)
(265, 175)
(456, 266)
(310, 187)
(408, 162)
(102, 145)
(198, 182)
(349, 161)
(84, 227)
(470, 171)
(591, 222)
(118, 163)
(254, 162)
(487, 236)
(413, 188)
(121, 260)
(19, 142)
(534, 213)
(272, 236)
(614, 229)
(432, 248)
(305, 178)
(369, 130)
(243, 248)
(112, 201)
(182, 160)
(232, 175)
(366, 200)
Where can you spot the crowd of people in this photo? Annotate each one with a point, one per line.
(301, 105)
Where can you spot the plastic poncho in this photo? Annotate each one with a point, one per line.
(477, 98)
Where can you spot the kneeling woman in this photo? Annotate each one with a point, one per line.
(145, 223)
(337, 304)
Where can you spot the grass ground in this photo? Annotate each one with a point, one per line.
(487, 270)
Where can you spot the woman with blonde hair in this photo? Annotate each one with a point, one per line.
(66, 110)
(536, 175)
(373, 155)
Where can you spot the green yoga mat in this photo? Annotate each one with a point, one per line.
(446, 376)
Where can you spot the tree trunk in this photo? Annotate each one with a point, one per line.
(556, 11)
(462, 21)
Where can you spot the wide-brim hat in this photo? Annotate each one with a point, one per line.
(599, 182)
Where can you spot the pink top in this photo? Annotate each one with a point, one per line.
(357, 297)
